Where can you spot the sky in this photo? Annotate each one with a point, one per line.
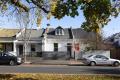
(111, 28)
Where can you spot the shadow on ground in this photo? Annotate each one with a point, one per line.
(6, 76)
(58, 77)
(13, 77)
(25, 79)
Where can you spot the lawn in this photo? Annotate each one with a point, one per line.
(30, 76)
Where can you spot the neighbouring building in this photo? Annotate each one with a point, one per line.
(49, 43)
(7, 37)
(114, 41)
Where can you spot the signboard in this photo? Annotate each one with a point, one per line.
(77, 47)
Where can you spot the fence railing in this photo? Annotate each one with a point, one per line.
(49, 55)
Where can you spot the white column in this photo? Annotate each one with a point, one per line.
(25, 46)
(15, 48)
(43, 44)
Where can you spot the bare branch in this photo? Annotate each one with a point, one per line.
(40, 6)
(19, 4)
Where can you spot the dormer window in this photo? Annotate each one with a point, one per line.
(59, 31)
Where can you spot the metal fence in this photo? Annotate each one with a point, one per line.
(48, 55)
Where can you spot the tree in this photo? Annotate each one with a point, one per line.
(96, 12)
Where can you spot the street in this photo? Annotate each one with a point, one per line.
(61, 69)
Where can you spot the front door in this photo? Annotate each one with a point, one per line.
(69, 46)
(20, 50)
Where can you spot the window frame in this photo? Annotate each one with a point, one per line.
(59, 32)
(56, 47)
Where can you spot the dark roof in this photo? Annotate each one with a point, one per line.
(59, 27)
(81, 34)
(35, 34)
(78, 33)
(32, 33)
(111, 40)
(51, 34)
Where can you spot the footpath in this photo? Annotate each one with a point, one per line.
(55, 62)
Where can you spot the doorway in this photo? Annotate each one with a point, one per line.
(69, 49)
(20, 50)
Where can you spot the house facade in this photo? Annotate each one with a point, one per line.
(51, 43)
(7, 37)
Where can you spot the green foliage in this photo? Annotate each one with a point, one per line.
(66, 7)
(96, 12)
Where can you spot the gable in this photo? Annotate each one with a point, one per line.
(51, 34)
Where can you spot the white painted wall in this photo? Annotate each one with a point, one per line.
(49, 47)
(62, 44)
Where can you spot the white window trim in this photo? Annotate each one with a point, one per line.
(58, 32)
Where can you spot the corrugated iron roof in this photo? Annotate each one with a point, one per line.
(8, 32)
(79, 33)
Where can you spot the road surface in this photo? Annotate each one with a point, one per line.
(62, 69)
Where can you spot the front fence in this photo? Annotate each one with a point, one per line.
(36, 56)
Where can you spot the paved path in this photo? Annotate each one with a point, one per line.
(57, 62)
(62, 69)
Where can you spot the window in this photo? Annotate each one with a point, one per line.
(59, 31)
(90, 56)
(33, 48)
(98, 56)
(55, 46)
(101, 56)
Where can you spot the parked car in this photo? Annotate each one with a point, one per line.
(10, 59)
(93, 60)
(12, 52)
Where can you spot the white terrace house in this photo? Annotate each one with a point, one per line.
(32, 38)
(59, 43)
